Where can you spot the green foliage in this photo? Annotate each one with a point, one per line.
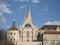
(3, 40)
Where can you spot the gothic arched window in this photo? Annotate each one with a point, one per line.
(19, 33)
(28, 34)
(27, 25)
(11, 33)
(28, 40)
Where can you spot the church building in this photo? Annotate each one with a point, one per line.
(27, 32)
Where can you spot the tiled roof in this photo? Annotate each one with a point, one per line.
(49, 27)
(52, 32)
(13, 28)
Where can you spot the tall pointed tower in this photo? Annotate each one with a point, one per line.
(28, 20)
(13, 33)
(25, 15)
(28, 16)
(28, 31)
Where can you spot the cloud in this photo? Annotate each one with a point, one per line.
(21, 0)
(35, 1)
(16, 0)
(2, 18)
(0, 14)
(53, 23)
(46, 9)
(24, 6)
(3, 21)
(4, 8)
(21, 8)
(24, 0)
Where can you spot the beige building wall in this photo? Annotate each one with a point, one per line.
(28, 30)
(27, 33)
(32, 35)
(50, 39)
(29, 43)
(13, 35)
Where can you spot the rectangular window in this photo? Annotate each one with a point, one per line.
(14, 33)
(13, 39)
(19, 33)
(10, 33)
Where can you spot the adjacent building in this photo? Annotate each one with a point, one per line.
(51, 34)
(51, 38)
(13, 33)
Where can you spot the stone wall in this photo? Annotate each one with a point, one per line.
(29, 43)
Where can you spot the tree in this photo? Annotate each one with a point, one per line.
(3, 40)
(1, 34)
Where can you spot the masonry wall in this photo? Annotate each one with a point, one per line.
(51, 39)
(32, 34)
(29, 43)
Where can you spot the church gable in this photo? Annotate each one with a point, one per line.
(28, 21)
(28, 25)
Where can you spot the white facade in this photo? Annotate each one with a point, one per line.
(26, 33)
(29, 43)
(13, 35)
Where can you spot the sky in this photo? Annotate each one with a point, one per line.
(42, 12)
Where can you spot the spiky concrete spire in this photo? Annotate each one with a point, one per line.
(28, 16)
(25, 14)
(27, 19)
